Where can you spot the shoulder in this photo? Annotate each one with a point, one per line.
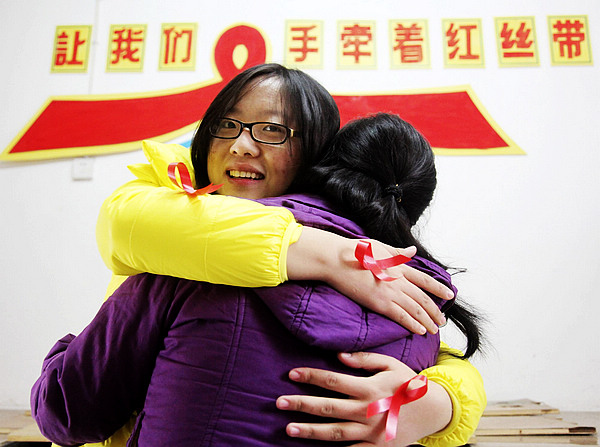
(313, 211)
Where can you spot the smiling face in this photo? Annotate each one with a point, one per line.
(245, 167)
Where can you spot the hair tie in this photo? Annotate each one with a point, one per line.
(393, 190)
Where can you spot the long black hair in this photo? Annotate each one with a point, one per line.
(381, 171)
(307, 107)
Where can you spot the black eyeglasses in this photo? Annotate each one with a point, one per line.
(262, 132)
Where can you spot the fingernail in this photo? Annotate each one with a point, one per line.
(294, 375)
(293, 430)
(283, 403)
(346, 355)
(450, 295)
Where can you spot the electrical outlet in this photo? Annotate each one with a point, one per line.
(83, 168)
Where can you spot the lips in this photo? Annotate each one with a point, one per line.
(245, 175)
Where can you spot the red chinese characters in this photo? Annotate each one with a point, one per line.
(569, 40)
(303, 43)
(126, 48)
(304, 46)
(356, 44)
(409, 42)
(463, 44)
(178, 46)
(517, 44)
(71, 48)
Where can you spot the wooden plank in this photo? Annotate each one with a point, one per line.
(520, 407)
(546, 424)
(541, 440)
(13, 419)
(18, 426)
(28, 433)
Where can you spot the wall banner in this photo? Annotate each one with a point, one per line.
(452, 119)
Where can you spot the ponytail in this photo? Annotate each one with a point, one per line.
(381, 171)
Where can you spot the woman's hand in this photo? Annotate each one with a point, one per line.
(417, 419)
(328, 257)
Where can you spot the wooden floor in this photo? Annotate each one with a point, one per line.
(579, 424)
(18, 429)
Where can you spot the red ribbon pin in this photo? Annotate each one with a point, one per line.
(186, 180)
(393, 403)
(364, 255)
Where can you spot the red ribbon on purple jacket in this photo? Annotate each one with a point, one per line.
(364, 255)
(186, 180)
(393, 403)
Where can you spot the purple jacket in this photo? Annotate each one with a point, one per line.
(203, 364)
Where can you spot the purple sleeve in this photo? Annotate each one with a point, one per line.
(91, 384)
(321, 316)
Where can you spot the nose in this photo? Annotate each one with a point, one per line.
(244, 145)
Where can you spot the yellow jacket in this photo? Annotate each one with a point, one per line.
(147, 225)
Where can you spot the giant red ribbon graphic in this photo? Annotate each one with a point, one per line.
(364, 255)
(393, 403)
(97, 124)
(186, 180)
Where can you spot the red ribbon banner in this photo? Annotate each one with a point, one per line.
(186, 180)
(364, 255)
(393, 403)
(97, 124)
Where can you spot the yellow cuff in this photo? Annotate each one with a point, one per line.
(438, 439)
(292, 234)
(464, 386)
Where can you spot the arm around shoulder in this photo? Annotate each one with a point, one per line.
(144, 227)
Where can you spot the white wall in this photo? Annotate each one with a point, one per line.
(525, 227)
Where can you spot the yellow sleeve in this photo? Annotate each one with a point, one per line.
(151, 225)
(464, 384)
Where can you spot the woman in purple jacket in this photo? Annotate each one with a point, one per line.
(203, 364)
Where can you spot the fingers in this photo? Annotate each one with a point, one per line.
(341, 383)
(370, 361)
(406, 303)
(426, 282)
(340, 431)
(350, 410)
(415, 281)
(408, 251)
(391, 250)
(409, 311)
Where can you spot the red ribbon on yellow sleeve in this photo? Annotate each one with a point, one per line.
(186, 180)
(364, 255)
(393, 403)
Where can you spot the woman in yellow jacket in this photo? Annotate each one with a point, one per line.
(150, 225)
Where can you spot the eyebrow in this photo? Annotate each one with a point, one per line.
(280, 116)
